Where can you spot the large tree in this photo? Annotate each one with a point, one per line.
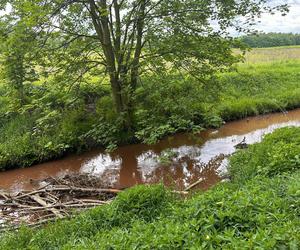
(124, 38)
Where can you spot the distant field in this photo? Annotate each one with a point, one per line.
(265, 55)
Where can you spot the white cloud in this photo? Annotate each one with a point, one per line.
(278, 23)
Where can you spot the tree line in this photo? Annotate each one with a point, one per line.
(271, 40)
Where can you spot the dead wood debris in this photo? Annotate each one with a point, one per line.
(62, 197)
(55, 198)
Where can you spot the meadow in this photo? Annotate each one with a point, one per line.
(269, 55)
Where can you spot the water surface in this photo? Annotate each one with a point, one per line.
(141, 164)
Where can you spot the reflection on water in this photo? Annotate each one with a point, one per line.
(136, 164)
(225, 145)
(104, 166)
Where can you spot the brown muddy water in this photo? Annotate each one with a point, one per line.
(142, 164)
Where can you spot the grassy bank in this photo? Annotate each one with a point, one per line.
(57, 119)
(258, 210)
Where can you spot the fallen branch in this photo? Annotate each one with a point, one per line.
(40, 201)
(4, 195)
(194, 184)
(57, 199)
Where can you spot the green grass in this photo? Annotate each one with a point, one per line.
(256, 211)
(259, 88)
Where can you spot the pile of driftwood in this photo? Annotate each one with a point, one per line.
(55, 198)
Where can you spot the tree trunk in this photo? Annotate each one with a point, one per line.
(122, 101)
(117, 94)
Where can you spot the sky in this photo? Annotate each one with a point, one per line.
(278, 23)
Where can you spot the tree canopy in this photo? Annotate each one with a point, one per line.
(123, 39)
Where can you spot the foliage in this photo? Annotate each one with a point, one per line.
(45, 128)
(121, 40)
(103, 133)
(18, 53)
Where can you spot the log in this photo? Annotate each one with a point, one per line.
(49, 207)
(180, 192)
(56, 189)
(87, 201)
(4, 195)
(96, 190)
(39, 200)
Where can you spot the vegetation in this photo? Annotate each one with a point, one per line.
(57, 120)
(269, 55)
(278, 154)
(79, 74)
(264, 40)
(258, 210)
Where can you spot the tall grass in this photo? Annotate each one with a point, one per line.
(259, 88)
(268, 55)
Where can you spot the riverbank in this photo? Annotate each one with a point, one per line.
(258, 209)
(57, 121)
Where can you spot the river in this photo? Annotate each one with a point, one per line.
(141, 164)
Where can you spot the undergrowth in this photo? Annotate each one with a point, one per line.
(278, 153)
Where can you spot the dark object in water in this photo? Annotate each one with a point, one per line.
(242, 144)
